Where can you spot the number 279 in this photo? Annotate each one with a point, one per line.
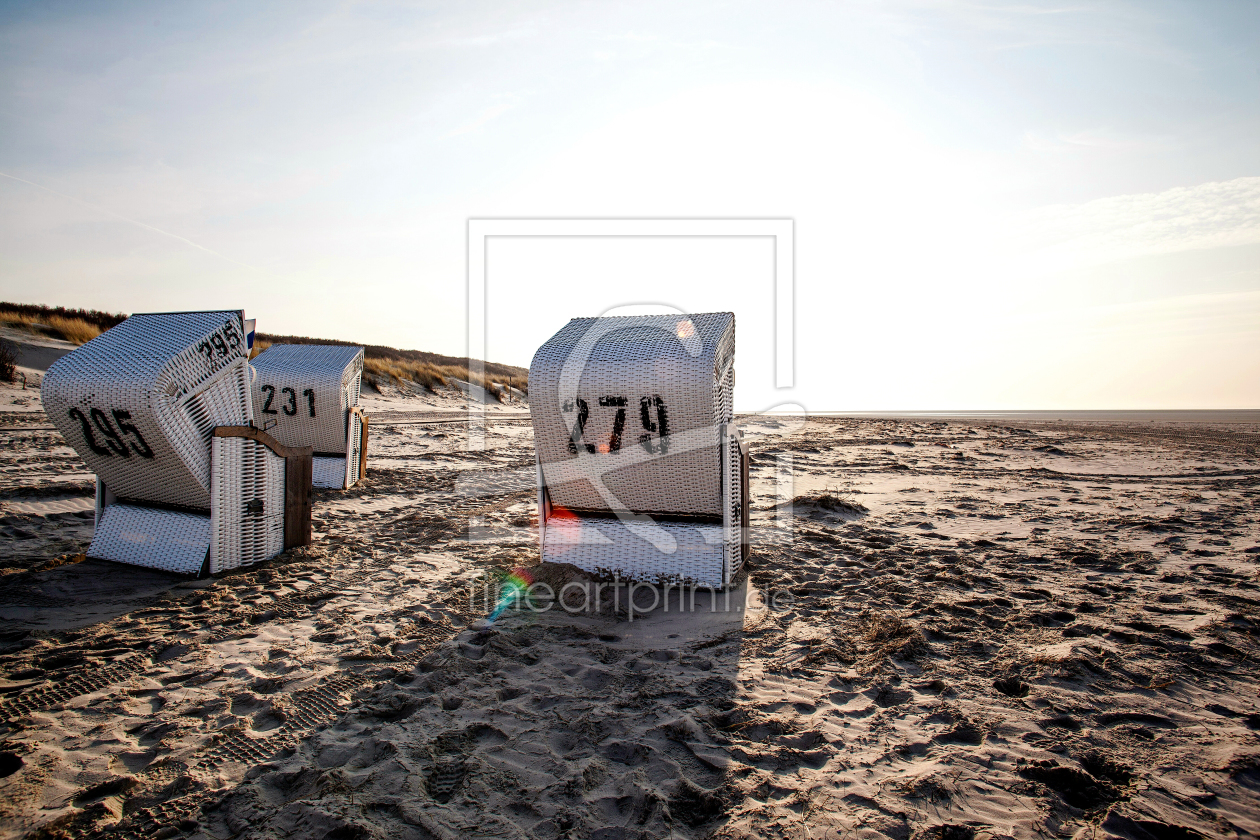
(652, 416)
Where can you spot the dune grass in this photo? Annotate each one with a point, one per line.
(74, 330)
(432, 377)
(14, 319)
(427, 375)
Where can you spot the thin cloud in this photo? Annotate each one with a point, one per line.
(122, 218)
(1217, 214)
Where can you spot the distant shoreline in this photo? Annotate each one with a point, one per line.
(1226, 416)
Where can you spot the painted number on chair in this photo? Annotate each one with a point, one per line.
(114, 442)
(288, 400)
(652, 417)
(221, 344)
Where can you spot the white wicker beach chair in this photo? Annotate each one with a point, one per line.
(308, 395)
(633, 416)
(159, 408)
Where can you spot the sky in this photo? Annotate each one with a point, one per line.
(1023, 205)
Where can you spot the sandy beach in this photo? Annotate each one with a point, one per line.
(983, 276)
(959, 629)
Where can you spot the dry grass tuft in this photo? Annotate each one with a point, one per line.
(494, 389)
(74, 330)
(19, 321)
(889, 635)
(827, 650)
(831, 502)
(426, 375)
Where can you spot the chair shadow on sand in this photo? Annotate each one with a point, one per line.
(598, 722)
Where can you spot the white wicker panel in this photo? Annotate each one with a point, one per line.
(354, 445)
(731, 473)
(640, 371)
(306, 391)
(607, 546)
(226, 397)
(733, 522)
(328, 473)
(159, 539)
(248, 512)
(140, 401)
(355, 387)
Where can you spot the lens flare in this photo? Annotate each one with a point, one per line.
(515, 586)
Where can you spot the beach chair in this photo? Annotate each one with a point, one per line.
(633, 419)
(159, 408)
(308, 395)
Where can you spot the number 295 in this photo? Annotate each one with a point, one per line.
(114, 443)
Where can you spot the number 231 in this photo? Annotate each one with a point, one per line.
(291, 408)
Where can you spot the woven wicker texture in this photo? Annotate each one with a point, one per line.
(248, 512)
(606, 546)
(328, 472)
(354, 445)
(635, 414)
(693, 553)
(733, 477)
(158, 539)
(303, 393)
(139, 402)
(632, 406)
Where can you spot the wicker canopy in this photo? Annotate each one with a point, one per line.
(140, 402)
(647, 396)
